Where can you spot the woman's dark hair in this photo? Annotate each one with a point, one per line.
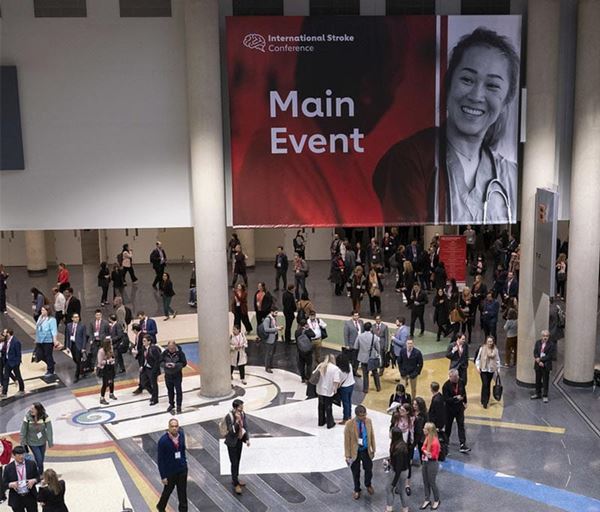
(40, 411)
(421, 406)
(488, 38)
(400, 389)
(103, 265)
(453, 286)
(263, 286)
(512, 314)
(125, 247)
(397, 443)
(168, 276)
(343, 362)
(304, 295)
(35, 292)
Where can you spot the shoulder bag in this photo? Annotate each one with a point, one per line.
(497, 389)
(374, 362)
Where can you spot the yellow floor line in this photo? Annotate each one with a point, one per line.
(516, 426)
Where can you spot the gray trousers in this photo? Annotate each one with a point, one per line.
(429, 470)
(390, 495)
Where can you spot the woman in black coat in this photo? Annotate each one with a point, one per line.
(103, 282)
(263, 302)
(167, 292)
(51, 494)
(440, 276)
(441, 313)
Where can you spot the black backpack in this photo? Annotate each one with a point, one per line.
(303, 343)
(120, 259)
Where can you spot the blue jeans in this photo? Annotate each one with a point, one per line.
(346, 396)
(39, 452)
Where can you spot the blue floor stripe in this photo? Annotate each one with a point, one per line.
(552, 496)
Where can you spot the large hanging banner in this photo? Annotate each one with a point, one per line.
(363, 121)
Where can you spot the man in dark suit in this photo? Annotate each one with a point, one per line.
(158, 258)
(410, 362)
(150, 369)
(148, 326)
(10, 356)
(437, 408)
(455, 397)
(97, 331)
(544, 353)
(281, 268)
(458, 353)
(413, 252)
(352, 328)
(20, 478)
(289, 311)
(72, 305)
(237, 435)
(417, 300)
(76, 342)
(511, 288)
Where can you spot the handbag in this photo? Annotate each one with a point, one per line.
(314, 378)
(337, 399)
(324, 333)
(497, 389)
(374, 362)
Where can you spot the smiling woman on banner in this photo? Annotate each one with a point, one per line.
(457, 167)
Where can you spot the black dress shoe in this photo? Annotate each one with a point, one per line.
(152, 402)
(137, 391)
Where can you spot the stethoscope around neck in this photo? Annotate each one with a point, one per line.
(496, 187)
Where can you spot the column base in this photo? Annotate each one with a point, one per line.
(522, 384)
(587, 384)
(33, 273)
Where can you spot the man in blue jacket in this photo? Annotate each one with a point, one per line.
(172, 466)
(10, 356)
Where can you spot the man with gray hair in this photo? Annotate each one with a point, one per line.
(544, 353)
(455, 396)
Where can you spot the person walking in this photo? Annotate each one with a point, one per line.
(374, 290)
(3, 278)
(289, 311)
(458, 353)
(148, 326)
(51, 494)
(455, 396)
(488, 366)
(304, 335)
(76, 342)
(544, 353)
(60, 303)
(104, 282)
(318, 327)
(381, 330)
(421, 417)
(38, 299)
(158, 259)
(490, 308)
(410, 363)
(399, 340)
(173, 361)
(46, 333)
(263, 302)
(511, 330)
(118, 281)
(441, 313)
(416, 302)
(150, 369)
(300, 275)
(106, 369)
(281, 268)
(239, 308)
(346, 385)
(98, 331)
(467, 308)
(20, 478)
(430, 453)
(272, 332)
(36, 432)
(356, 288)
(10, 361)
(63, 277)
(352, 328)
(172, 466)
(167, 293)
(126, 263)
(120, 342)
(329, 381)
(368, 349)
(396, 468)
(239, 266)
(237, 349)
(359, 449)
(237, 435)
(437, 407)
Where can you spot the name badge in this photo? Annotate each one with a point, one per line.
(96, 334)
(39, 435)
(543, 354)
(72, 338)
(360, 441)
(178, 455)
(279, 264)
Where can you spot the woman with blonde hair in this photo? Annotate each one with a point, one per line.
(430, 453)
(237, 348)
(106, 369)
(356, 287)
(330, 377)
(408, 279)
(374, 289)
(488, 365)
(51, 494)
(466, 305)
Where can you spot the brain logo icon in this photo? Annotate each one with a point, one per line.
(255, 42)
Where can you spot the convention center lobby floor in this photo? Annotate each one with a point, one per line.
(526, 456)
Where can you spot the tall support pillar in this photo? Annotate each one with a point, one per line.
(35, 253)
(429, 231)
(538, 167)
(208, 192)
(584, 238)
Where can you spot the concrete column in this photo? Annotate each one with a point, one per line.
(246, 237)
(429, 231)
(584, 239)
(35, 252)
(208, 192)
(538, 167)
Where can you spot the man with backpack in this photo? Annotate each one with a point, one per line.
(304, 336)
